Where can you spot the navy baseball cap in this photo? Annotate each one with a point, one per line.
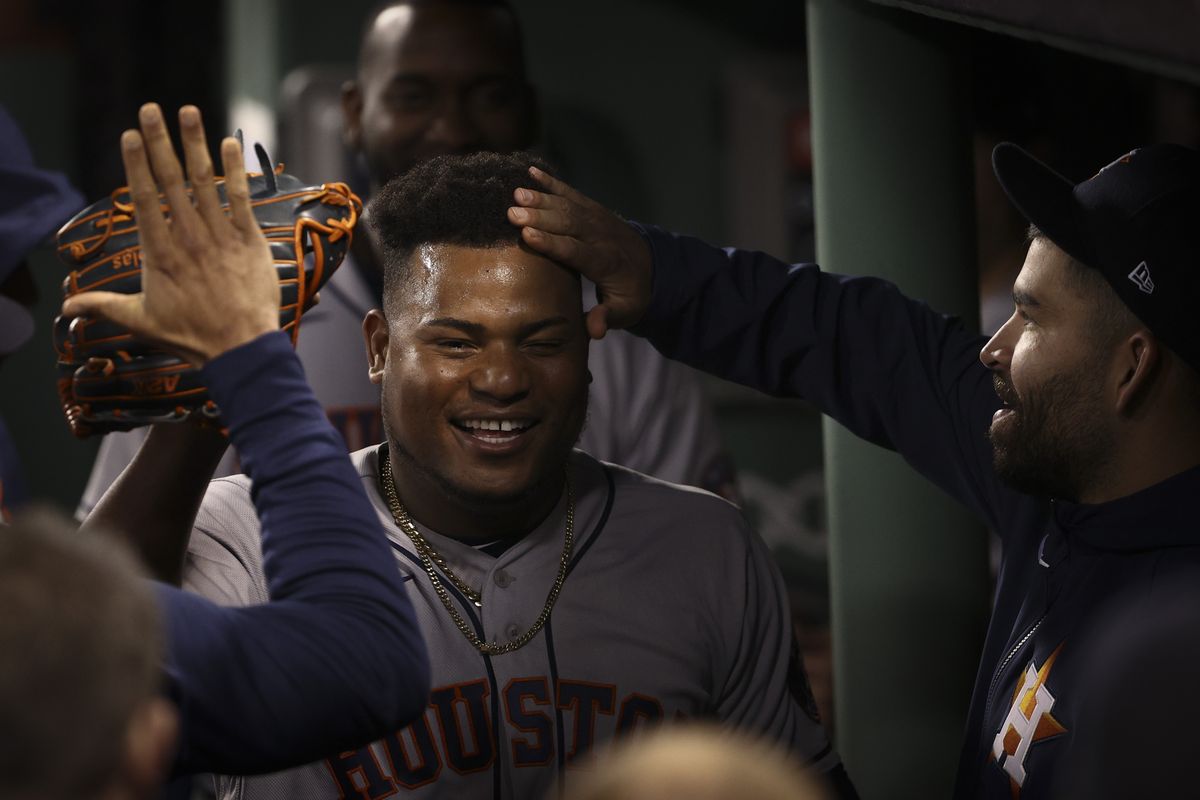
(33, 203)
(1136, 221)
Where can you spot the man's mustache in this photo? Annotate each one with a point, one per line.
(1005, 391)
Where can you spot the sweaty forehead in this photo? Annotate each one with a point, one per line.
(493, 282)
(443, 38)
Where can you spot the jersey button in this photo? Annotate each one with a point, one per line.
(503, 579)
(512, 631)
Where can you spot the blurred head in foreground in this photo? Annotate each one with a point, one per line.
(81, 715)
(697, 763)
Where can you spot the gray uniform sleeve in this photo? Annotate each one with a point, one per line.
(115, 453)
(652, 415)
(224, 558)
(762, 685)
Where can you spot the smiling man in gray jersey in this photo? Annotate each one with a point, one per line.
(565, 601)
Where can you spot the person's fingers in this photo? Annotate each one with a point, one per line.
(237, 187)
(532, 198)
(167, 170)
(152, 226)
(200, 167)
(597, 321)
(124, 309)
(548, 217)
(556, 187)
(563, 249)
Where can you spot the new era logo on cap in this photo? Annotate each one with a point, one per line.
(1141, 278)
(1143, 209)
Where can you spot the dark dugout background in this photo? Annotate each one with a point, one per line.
(693, 115)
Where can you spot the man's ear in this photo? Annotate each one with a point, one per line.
(1138, 364)
(150, 743)
(352, 106)
(375, 334)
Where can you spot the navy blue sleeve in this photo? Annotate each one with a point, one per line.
(885, 366)
(336, 659)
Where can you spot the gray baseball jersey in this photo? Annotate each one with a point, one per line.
(672, 609)
(645, 411)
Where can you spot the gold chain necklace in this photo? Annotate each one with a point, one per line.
(429, 557)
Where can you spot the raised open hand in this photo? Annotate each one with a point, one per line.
(208, 280)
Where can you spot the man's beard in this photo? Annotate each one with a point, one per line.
(1052, 445)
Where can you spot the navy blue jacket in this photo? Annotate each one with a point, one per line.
(336, 659)
(907, 378)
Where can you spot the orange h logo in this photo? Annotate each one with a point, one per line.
(1028, 721)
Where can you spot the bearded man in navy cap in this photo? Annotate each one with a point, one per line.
(1074, 432)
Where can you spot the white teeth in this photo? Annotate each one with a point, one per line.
(506, 425)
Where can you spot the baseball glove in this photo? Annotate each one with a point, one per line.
(110, 381)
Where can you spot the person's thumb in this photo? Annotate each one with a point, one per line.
(123, 309)
(597, 321)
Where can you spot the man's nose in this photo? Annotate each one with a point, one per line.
(453, 127)
(501, 374)
(996, 355)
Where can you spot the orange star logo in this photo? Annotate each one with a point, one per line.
(1029, 721)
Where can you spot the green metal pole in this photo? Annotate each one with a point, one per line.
(253, 31)
(908, 566)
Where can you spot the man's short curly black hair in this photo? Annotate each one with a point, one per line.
(455, 200)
